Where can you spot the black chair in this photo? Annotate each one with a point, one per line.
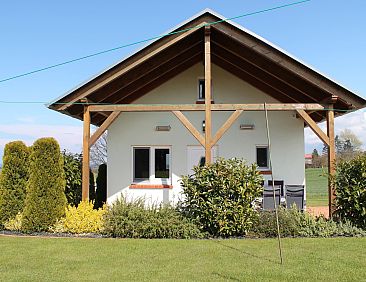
(278, 183)
(268, 203)
(295, 195)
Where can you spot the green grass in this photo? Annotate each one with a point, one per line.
(70, 259)
(316, 187)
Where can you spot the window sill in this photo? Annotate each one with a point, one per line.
(203, 101)
(150, 186)
(265, 172)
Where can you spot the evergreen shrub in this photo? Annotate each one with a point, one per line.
(101, 191)
(45, 201)
(13, 180)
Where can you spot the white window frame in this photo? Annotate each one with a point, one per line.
(198, 89)
(152, 179)
(256, 157)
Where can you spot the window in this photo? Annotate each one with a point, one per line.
(262, 156)
(201, 90)
(151, 163)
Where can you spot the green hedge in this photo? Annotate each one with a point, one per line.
(132, 219)
(45, 201)
(350, 182)
(13, 180)
(219, 197)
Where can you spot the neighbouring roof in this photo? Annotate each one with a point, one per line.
(234, 48)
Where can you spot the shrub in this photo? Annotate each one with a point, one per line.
(101, 191)
(81, 219)
(294, 223)
(131, 219)
(13, 180)
(72, 169)
(219, 197)
(14, 224)
(45, 201)
(350, 182)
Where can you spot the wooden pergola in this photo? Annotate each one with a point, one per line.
(298, 88)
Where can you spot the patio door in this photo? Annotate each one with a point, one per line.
(196, 156)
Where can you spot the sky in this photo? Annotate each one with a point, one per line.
(326, 34)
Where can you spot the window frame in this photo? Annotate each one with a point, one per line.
(198, 90)
(256, 157)
(152, 179)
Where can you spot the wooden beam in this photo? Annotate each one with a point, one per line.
(208, 78)
(314, 127)
(110, 119)
(128, 68)
(190, 127)
(228, 123)
(331, 159)
(85, 165)
(198, 107)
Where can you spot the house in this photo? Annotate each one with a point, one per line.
(308, 159)
(199, 93)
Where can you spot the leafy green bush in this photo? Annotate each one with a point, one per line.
(131, 219)
(13, 180)
(81, 219)
(219, 197)
(72, 169)
(294, 223)
(101, 191)
(350, 182)
(45, 201)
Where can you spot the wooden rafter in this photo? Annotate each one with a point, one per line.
(225, 127)
(190, 127)
(314, 127)
(111, 118)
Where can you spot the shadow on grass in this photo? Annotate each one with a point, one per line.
(246, 253)
(226, 277)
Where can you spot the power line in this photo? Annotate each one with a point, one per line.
(150, 39)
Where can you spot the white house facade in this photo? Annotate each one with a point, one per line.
(137, 131)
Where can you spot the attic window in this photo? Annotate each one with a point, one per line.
(201, 90)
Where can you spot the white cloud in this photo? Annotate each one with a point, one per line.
(355, 121)
(27, 119)
(69, 137)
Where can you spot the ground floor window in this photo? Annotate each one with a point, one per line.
(262, 157)
(151, 163)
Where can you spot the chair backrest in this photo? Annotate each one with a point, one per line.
(278, 183)
(268, 203)
(295, 195)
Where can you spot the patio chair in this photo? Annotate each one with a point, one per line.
(268, 203)
(278, 183)
(295, 195)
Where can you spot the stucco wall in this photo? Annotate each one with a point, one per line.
(287, 133)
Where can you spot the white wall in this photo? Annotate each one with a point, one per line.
(286, 131)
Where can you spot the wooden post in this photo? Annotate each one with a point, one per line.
(208, 126)
(331, 158)
(85, 169)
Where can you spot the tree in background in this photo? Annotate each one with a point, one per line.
(98, 152)
(91, 186)
(13, 180)
(45, 201)
(101, 192)
(72, 169)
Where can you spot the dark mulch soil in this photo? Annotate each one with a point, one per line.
(48, 234)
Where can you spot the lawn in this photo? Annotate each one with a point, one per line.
(71, 259)
(316, 187)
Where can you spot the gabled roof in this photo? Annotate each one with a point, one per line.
(234, 48)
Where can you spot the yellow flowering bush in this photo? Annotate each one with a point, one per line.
(14, 224)
(81, 219)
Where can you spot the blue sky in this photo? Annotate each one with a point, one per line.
(327, 34)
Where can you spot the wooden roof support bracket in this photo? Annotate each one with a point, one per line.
(208, 77)
(228, 123)
(314, 127)
(190, 127)
(107, 123)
